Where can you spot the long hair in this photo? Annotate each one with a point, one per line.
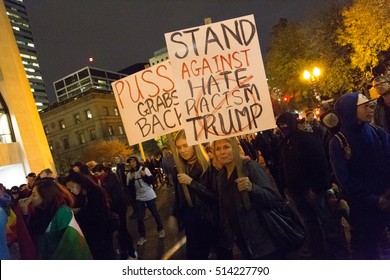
(201, 155)
(53, 195)
(236, 151)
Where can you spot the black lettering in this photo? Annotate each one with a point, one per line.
(214, 39)
(235, 34)
(175, 34)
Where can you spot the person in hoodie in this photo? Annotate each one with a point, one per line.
(305, 176)
(363, 172)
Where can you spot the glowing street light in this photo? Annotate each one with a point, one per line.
(312, 75)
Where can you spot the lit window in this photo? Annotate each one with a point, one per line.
(116, 111)
(110, 130)
(121, 132)
(62, 124)
(88, 114)
(46, 129)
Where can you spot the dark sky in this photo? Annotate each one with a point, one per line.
(119, 33)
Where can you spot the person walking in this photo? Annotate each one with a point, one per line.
(140, 178)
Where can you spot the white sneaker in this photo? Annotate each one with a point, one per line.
(133, 258)
(141, 241)
(161, 234)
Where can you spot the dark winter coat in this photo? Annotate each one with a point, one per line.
(365, 176)
(252, 237)
(303, 164)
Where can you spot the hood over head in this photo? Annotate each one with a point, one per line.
(346, 109)
(290, 120)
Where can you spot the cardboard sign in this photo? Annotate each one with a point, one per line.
(148, 103)
(219, 74)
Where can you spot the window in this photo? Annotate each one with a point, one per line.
(62, 124)
(82, 138)
(66, 143)
(106, 111)
(121, 131)
(83, 74)
(46, 128)
(88, 114)
(92, 133)
(116, 111)
(110, 130)
(59, 85)
(77, 118)
(6, 132)
(51, 146)
(71, 79)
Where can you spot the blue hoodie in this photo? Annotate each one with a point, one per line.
(366, 175)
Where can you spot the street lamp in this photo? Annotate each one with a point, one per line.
(312, 77)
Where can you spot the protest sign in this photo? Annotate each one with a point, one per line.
(148, 103)
(219, 74)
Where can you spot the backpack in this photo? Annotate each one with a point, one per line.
(345, 145)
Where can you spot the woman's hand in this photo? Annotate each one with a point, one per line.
(184, 179)
(244, 184)
(142, 172)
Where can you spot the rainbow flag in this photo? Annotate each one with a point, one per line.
(63, 239)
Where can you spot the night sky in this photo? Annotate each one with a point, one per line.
(119, 33)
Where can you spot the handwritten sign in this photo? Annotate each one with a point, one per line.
(219, 74)
(148, 103)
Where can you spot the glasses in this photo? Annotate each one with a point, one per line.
(380, 84)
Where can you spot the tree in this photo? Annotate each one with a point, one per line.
(366, 30)
(298, 47)
(105, 150)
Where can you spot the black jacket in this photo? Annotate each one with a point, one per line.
(303, 164)
(251, 234)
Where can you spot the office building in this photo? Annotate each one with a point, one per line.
(83, 80)
(17, 15)
(23, 145)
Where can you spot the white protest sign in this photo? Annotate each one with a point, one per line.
(219, 74)
(148, 103)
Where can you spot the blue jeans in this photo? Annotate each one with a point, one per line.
(141, 208)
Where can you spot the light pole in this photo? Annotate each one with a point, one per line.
(312, 77)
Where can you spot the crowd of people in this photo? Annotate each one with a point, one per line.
(332, 170)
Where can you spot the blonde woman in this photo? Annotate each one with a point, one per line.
(251, 234)
(200, 221)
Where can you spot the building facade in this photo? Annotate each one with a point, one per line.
(159, 56)
(17, 15)
(83, 80)
(74, 125)
(23, 145)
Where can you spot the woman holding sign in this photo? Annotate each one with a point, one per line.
(201, 219)
(252, 237)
